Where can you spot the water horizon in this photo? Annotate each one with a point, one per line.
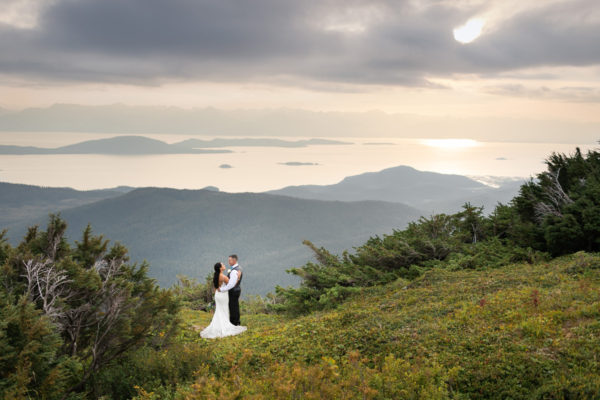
(260, 169)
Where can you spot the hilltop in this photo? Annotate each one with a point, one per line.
(20, 203)
(431, 192)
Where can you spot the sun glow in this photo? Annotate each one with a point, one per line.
(450, 144)
(469, 31)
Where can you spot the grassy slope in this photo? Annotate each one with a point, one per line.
(521, 331)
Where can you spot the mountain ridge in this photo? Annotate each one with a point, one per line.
(429, 191)
(19, 201)
(120, 118)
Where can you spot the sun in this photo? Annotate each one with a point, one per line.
(469, 31)
(451, 144)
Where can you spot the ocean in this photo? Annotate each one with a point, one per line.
(258, 169)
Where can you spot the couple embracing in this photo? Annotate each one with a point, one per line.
(227, 285)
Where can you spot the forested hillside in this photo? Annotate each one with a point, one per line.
(187, 231)
(184, 232)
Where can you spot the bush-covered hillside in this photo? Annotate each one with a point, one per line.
(520, 331)
(460, 306)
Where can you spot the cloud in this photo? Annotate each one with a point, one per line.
(561, 34)
(573, 94)
(22, 14)
(322, 42)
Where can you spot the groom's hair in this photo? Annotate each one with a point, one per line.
(234, 256)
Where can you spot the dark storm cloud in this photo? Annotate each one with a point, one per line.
(356, 42)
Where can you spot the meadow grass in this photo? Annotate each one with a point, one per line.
(519, 331)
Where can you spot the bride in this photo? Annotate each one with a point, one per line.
(220, 325)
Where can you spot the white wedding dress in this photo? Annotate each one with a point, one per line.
(220, 325)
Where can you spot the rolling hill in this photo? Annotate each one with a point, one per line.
(187, 231)
(521, 331)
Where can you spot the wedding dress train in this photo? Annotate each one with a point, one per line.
(220, 326)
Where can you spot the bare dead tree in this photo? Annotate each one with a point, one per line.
(108, 269)
(115, 303)
(103, 306)
(76, 321)
(555, 196)
(97, 321)
(92, 320)
(48, 286)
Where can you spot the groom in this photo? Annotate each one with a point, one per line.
(235, 289)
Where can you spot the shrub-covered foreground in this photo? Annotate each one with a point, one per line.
(520, 331)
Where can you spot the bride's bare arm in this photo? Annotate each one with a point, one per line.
(223, 278)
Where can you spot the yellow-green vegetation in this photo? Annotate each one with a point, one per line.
(520, 331)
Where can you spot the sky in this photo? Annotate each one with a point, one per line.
(496, 59)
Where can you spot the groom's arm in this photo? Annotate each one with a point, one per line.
(232, 281)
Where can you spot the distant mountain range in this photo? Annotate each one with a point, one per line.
(119, 118)
(428, 191)
(186, 231)
(144, 145)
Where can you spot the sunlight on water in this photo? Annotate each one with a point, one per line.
(451, 143)
(257, 169)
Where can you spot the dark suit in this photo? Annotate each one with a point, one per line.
(234, 298)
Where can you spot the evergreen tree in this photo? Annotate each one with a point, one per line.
(84, 306)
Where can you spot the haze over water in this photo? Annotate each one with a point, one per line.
(257, 169)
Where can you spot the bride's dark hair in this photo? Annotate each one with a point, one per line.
(216, 275)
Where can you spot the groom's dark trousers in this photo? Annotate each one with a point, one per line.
(234, 305)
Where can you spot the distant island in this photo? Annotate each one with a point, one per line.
(119, 145)
(256, 142)
(127, 145)
(297, 163)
